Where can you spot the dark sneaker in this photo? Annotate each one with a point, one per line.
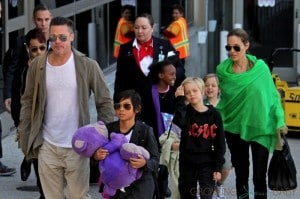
(5, 171)
(28, 188)
(25, 169)
(168, 193)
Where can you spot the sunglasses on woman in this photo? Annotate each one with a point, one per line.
(35, 48)
(235, 48)
(118, 106)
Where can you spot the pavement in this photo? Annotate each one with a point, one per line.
(12, 157)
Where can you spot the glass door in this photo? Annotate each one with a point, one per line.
(272, 34)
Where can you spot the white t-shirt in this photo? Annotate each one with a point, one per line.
(62, 108)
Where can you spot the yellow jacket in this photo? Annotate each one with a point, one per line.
(177, 33)
(124, 33)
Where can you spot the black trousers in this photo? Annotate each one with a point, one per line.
(239, 150)
(189, 174)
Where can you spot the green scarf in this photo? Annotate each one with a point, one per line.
(250, 104)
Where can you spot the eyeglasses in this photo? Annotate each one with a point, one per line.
(235, 48)
(61, 37)
(35, 49)
(118, 106)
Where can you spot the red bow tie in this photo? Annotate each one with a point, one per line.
(146, 49)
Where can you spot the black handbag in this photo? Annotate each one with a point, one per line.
(282, 173)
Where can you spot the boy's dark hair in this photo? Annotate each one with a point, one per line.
(35, 34)
(131, 94)
(156, 68)
(58, 21)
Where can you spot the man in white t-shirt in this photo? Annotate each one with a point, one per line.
(66, 80)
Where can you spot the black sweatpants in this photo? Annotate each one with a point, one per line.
(188, 177)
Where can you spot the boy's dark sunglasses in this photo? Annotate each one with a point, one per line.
(118, 106)
(235, 48)
(61, 37)
(35, 49)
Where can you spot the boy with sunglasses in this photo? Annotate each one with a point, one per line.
(127, 109)
(19, 53)
(36, 45)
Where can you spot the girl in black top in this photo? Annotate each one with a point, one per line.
(202, 144)
(162, 104)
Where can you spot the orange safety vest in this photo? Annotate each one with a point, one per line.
(181, 40)
(119, 37)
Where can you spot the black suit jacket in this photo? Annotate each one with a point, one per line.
(128, 73)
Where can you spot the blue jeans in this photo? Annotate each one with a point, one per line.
(239, 150)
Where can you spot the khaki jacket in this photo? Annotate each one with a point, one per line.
(89, 78)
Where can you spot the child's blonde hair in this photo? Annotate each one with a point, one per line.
(197, 80)
(211, 75)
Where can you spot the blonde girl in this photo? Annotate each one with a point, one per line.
(212, 97)
(202, 143)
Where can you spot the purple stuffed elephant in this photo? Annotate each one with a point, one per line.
(115, 171)
(87, 139)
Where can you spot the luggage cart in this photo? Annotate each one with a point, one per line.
(290, 96)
